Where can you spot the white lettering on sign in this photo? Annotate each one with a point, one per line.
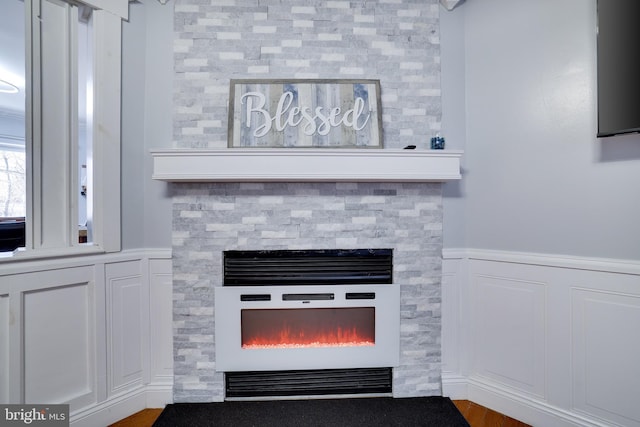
(319, 120)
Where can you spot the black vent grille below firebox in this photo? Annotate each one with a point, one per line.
(307, 267)
(308, 382)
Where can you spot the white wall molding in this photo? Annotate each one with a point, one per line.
(123, 405)
(112, 410)
(574, 316)
(158, 395)
(524, 408)
(124, 334)
(450, 4)
(33, 265)
(548, 260)
(456, 387)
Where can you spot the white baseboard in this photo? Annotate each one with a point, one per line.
(454, 386)
(525, 408)
(506, 401)
(111, 410)
(123, 405)
(159, 395)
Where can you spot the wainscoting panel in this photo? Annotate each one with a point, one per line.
(549, 340)
(509, 326)
(66, 323)
(606, 355)
(455, 331)
(161, 319)
(124, 328)
(59, 356)
(4, 347)
(451, 313)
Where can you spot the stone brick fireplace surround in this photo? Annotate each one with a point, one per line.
(211, 218)
(396, 42)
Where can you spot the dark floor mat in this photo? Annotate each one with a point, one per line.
(374, 411)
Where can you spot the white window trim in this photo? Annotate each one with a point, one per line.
(52, 176)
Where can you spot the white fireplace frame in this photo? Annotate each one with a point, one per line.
(230, 356)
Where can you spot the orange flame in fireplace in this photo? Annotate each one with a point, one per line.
(286, 338)
(300, 328)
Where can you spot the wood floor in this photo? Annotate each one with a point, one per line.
(144, 418)
(476, 416)
(479, 416)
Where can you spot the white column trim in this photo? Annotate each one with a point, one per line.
(450, 4)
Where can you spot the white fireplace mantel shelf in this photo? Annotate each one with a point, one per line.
(305, 165)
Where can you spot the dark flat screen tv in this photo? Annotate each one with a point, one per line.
(12, 235)
(618, 67)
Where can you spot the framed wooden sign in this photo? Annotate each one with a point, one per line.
(305, 113)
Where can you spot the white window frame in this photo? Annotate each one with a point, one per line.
(52, 124)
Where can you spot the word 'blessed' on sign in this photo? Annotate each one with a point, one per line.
(305, 113)
(318, 120)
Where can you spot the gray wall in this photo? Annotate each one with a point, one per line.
(453, 120)
(147, 82)
(536, 177)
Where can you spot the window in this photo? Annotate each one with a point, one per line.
(13, 189)
(12, 178)
(70, 161)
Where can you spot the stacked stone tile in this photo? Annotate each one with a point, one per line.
(395, 41)
(212, 218)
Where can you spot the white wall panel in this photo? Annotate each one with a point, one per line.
(51, 146)
(450, 316)
(606, 355)
(455, 331)
(125, 292)
(161, 320)
(549, 340)
(4, 348)
(510, 332)
(59, 341)
(57, 335)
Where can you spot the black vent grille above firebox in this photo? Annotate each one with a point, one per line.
(307, 267)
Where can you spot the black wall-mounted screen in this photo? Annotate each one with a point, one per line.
(618, 67)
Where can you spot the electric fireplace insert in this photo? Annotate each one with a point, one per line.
(318, 311)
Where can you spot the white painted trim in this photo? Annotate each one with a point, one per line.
(51, 124)
(454, 253)
(112, 410)
(561, 276)
(242, 165)
(38, 275)
(79, 258)
(119, 8)
(547, 260)
(106, 130)
(159, 395)
(526, 408)
(455, 386)
(450, 4)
